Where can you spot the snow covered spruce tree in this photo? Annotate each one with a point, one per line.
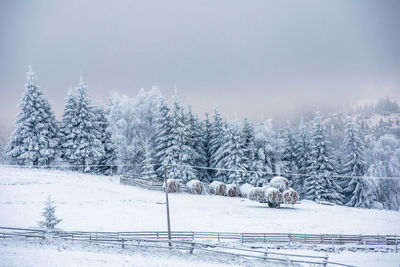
(232, 155)
(35, 139)
(207, 133)
(248, 139)
(162, 135)
(67, 134)
(198, 143)
(108, 161)
(289, 155)
(84, 141)
(147, 171)
(319, 186)
(178, 153)
(357, 191)
(49, 218)
(303, 157)
(216, 140)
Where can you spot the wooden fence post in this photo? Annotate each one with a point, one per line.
(290, 239)
(241, 238)
(192, 248)
(123, 243)
(325, 262)
(218, 237)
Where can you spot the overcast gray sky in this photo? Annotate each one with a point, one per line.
(255, 59)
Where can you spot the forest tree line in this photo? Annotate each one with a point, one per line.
(137, 136)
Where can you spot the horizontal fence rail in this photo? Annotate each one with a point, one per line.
(274, 238)
(180, 241)
(151, 185)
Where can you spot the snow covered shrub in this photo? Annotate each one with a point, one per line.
(245, 189)
(217, 188)
(50, 219)
(173, 185)
(195, 187)
(290, 196)
(280, 183)
(232, 190)
(273, 197)
(257, 194)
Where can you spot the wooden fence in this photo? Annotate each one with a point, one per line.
(180, 241)
(151, 185)
(272, 238)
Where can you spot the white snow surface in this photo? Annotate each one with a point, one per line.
(100, 203)
(25, 253)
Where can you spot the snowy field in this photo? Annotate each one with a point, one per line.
(90, 202)
(100, 203)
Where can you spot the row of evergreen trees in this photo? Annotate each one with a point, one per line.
(81, 139)
(143, 134)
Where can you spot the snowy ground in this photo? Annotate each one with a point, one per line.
(67, 253)
(90, 202)
(13, 253)
(99, 203)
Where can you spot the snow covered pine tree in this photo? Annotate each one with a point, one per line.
(50, 219)
(35, 141)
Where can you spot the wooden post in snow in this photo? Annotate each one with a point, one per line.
(167, 203)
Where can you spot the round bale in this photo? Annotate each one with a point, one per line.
(280, 183)
(173, 185)
(217, 188)
(232, 190)
(273, 197)
(195, 187)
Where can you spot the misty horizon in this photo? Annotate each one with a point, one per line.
(261, 60)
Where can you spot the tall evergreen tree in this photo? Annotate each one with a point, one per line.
(87, 139)
(147, 171)
(67, 134)
(248, 139)
(35, 139)
(232, 156)
(216, 140)
(319, 186)
(162, 135)
(303, 157)
(289, 156)
(207, 133)
(107, 163)
(198, 142)
(179, 154)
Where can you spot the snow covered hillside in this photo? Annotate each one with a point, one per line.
(90, 202)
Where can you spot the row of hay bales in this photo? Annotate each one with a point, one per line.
(275, 193)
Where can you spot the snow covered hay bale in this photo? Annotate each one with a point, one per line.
(217, 188)
(173, 185)
(232, 190)
(273, 197)
(245, 189)
(280, 183)
(195, 187)
(257, 194)
(290, 196)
